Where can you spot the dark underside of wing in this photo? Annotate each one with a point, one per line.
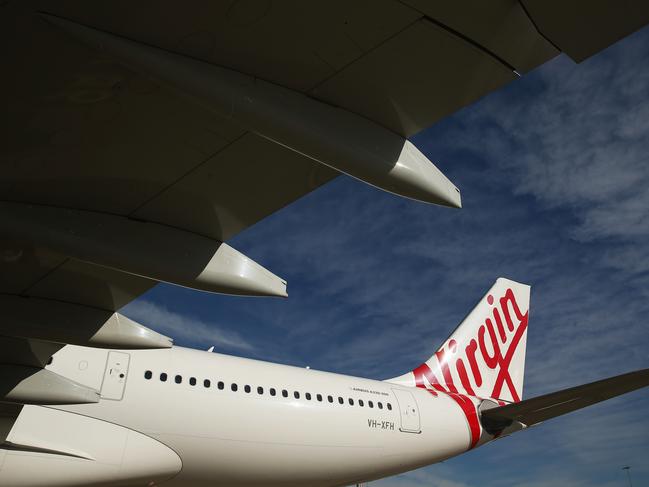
(113, 179)
(548, 406)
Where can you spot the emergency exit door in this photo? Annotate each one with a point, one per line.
(410, 422)
(115, 376)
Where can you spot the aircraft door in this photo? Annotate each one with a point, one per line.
(115, 376)
(410, 422)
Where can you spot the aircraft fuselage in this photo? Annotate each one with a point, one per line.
(281, 426)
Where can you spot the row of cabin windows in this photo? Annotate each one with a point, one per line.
(178, 379)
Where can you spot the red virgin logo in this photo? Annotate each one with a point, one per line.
(484, 361)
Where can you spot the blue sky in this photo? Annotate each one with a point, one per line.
(554, 173)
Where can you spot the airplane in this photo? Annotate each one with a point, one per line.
(180, 416)
(141, 136)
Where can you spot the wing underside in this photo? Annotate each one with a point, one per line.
(118, 172)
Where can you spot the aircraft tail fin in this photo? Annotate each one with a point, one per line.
(485, 355)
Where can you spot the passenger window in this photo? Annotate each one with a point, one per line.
(163, 377)
(370, 404)
(351, 401)
(220, 385)
(308, 396)
(207, 383)
(246, 388)
(296, 395)
(272, 391)
(192, 381)
(341, 400)
(330, 399)
(389, 407)
(234, 387)
(148, 374)
(380, 405)
(361, 403)
(178, 379)
(260, 390)
(284, 393)
(319, 397)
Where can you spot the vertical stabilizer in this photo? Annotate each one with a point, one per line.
(485, 355)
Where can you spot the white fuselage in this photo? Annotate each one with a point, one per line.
(209, 434)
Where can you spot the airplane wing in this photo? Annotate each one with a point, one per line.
(541, 408)
(138, 137)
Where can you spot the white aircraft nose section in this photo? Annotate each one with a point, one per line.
(414, 176)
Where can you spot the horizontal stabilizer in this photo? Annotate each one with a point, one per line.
(548, 406)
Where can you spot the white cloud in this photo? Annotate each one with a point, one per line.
(181, 326)
(580, 142)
